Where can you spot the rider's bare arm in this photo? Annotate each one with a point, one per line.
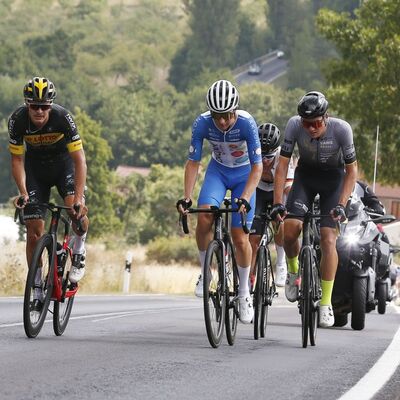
(252, 181)
(78, 157)
(191, 171)
(349, 182)
(280, 179)
(18, 172)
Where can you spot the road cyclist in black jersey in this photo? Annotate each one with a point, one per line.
(270, 137)
(327, 166)
(46, 151)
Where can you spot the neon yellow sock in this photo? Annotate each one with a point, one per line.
(293, 265)
(327, 287)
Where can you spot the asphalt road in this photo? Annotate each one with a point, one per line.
(155, 347)
(271, 70)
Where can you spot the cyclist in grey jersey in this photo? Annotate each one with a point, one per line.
(329, 151)
(327, 167)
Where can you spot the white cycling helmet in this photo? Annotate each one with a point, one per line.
(222, 97)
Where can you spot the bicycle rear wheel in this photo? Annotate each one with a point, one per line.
(62, 309)
(266, 294)
(39, 285)
(259, 290)
(315, 298)
(214, 296)
(305, 296)
(231, 273)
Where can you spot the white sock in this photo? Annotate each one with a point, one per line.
(244, 272)
(202, 258)
(79, 244)
(280, 255)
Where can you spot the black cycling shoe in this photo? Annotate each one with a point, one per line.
(36, 305)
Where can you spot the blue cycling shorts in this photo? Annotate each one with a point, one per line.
(218, 180)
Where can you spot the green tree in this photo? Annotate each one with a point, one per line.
(211, 44)
(99, 198)
(365, 80)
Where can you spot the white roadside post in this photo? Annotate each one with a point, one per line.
(127, 272)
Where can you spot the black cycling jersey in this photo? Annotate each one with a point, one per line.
(57, 137)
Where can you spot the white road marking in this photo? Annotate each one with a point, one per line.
(370, 384)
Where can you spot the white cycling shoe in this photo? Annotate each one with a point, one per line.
(246, 311)
(326, 317)
(198, 290)
(78, 268)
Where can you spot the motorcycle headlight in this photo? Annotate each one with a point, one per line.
(352, 234)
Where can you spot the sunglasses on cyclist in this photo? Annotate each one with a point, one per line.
(225, 116)
(313, 124)
(43, 107)
(268, 156)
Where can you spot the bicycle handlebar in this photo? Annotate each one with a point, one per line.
(212, 210)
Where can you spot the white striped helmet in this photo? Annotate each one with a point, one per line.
(222, 97)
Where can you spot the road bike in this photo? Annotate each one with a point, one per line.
(220, 280)
(47, 278)
(310, 292)
(265, 288)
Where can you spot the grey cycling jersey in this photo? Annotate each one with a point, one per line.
(332, 150)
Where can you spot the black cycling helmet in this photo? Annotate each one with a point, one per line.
(312, 105)
(39, 90)
(269, 135)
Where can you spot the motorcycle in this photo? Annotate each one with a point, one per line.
(362, 278)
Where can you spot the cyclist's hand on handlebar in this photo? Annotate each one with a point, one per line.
(79, 210)
(339, 213)
(21, 201)
(243, 205)
(278, 212)
(183, 205)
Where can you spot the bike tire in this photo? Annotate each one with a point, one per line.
(232, 287)
(214, 296)
(266, 294)
(359, 303)
(315, 298)
(305, 296)
(382, 295)
(62, 310)
(44, 258)
(259, 288)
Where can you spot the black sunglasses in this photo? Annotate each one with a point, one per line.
(36, 107)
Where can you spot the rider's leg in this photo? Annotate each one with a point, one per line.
(329, 262)
(243, 258)
(291, 243)
(34, 231)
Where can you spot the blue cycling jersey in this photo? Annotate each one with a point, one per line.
(238, 146)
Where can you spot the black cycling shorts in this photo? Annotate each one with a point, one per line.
(263, 200)
(41, 176)
(307, 184)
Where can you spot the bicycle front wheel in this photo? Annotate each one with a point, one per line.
(231, 273)
(267, 294)
(315, 299)
(259, 290)
(305, 296)
(214, 296)
(62, 309)
(39, 286)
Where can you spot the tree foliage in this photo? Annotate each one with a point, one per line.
(365, 79)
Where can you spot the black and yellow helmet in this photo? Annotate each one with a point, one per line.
(39, 90)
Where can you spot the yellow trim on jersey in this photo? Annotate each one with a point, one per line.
(40, 85)
(74, 146)
(44, 139)
(16, 149)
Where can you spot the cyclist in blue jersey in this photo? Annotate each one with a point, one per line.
(236, 166)
(328, 167)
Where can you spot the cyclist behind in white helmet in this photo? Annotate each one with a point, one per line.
(270, 135)
(236, 166)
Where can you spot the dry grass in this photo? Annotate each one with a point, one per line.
(104, 272)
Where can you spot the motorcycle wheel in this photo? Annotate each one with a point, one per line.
(358, 304)
(382, 296)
